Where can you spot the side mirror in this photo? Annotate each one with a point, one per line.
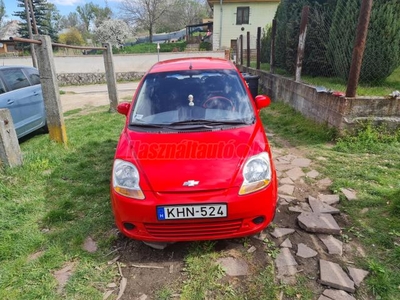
(123, 108)
(262, 101)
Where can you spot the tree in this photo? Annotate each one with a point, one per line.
(72, 20)
(71, 37)
(112, 31)
(182, 13)
(46, 15)
(2, 12)
(92, 15)
(144, 14)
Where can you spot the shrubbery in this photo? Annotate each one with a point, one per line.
(330, 38)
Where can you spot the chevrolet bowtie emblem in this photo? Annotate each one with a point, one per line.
(191, 183)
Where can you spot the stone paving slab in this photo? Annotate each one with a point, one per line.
(286, 244)
(287, 198)
(357, 275)
(320, 207)
(301, 162)
(302, 207)
(329, 199)
(283, 166)
(295, 173)
(333, 245)
(280, 232)
(286, 180)
(318, 223)
(285, 258)
(349, 194)
(337, 295)
(334, 276)
(324, 183)
(287, 189)
(313, 174)
(305, 252)
(234, 266)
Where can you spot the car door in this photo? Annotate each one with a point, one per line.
(14, 81)
(34, 110)
(22, 98)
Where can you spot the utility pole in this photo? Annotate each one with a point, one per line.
(35, 29)
(359, 47)
(28, 20)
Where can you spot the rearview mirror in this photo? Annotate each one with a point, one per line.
(262, 101)
(123, 108)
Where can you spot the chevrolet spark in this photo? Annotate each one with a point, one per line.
(193, 161)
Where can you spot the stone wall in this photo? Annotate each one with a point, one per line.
(339, 112)
(94, 78)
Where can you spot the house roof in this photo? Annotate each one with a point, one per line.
(212, 2)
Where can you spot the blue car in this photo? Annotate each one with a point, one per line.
(21, 93)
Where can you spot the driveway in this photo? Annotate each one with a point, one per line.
(93, 95)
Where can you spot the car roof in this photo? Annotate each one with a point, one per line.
(192, 63)
(16, 66)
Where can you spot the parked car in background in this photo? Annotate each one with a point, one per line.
(193, 161)
(21, 93)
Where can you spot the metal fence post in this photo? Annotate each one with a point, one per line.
(10, 153)
(110, 77)
(302, 42)
(359, 47)
(241, 49)
(258, 48)
(51, 93)
(248, 49)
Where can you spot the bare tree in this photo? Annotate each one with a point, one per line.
(144, 13)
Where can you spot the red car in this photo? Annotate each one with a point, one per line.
(193, 161)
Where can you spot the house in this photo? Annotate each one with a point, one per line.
(235, 17)
(7, 31)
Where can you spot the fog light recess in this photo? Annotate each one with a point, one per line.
(258, 220)
(129, 226)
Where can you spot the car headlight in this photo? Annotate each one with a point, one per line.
(256, 173)
(126, 179)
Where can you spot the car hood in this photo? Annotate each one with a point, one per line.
(195, 161)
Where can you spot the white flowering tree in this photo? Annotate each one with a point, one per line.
(112, 31)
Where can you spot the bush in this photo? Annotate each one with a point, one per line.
(205, 46)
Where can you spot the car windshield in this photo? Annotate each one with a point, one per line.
(192, 98)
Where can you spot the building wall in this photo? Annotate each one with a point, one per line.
(261, 15)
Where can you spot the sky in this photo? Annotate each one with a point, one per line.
(64, 6)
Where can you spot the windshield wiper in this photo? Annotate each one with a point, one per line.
(208, 122)
(147, 125)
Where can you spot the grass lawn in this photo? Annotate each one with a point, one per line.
(51, 204)
(60, 196)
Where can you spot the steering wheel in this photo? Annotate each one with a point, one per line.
(219, 102)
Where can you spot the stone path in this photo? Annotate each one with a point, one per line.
(310, 243)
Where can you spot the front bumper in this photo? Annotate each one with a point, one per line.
(247, 215)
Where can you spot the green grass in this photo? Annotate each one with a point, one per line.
(389, 85)
(52, 203)
(206, 279)
(151, 48)
(369, 163)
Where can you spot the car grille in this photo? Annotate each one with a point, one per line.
(193, 229)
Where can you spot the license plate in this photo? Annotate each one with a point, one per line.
(174, 212)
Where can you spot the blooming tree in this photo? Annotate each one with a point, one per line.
(112, 31)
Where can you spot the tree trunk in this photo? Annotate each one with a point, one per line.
(151, 33)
